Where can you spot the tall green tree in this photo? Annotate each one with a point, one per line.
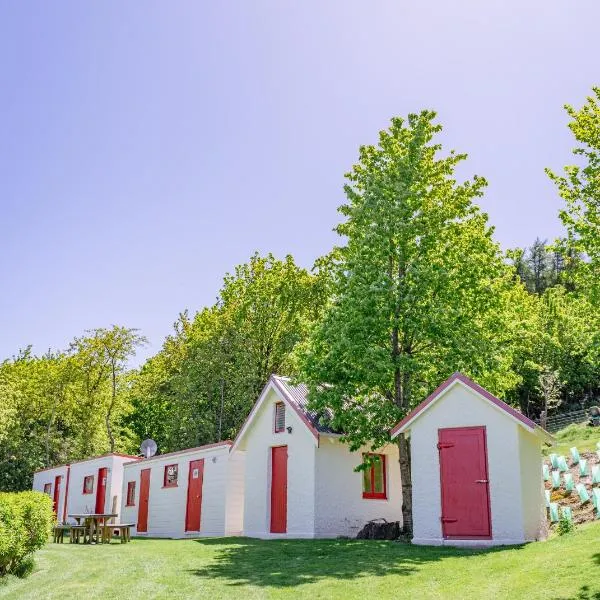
(203, 383)
(102, 356)
(579, 186)
(419, 291)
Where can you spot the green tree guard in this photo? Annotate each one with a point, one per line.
(583, 493)
(574, 455)
(555, 479)
(569, 483)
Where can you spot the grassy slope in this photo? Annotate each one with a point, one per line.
(581, 436)
(562, 568)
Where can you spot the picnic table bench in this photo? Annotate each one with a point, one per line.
(124, 530)
(93, 525)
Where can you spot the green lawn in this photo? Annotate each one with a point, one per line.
(562, 568)
(582, 436)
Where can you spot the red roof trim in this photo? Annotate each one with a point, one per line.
(184, 451)
(475, 387)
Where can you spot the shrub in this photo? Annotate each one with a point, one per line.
(565, 526)
(26, 521)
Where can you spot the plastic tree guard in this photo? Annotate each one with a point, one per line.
(562, 464)
(546, 472)
(569, 483)
(554, 460)
(583, 468)
(555, 479)
(583, 493)
(574, 455)
(553, 512)
(567, 513)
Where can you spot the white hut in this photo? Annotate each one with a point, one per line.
(53, 481)
(300, 480)
(193, 492)
(92, 485)
(476, 468)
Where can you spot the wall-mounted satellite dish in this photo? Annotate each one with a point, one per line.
(148, 448)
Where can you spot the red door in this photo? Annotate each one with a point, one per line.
(101, 490)
(142, 522)
(194, 495)
(56, 499)
(279, 489)
(464, 482)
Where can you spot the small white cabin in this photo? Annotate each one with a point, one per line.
(53, 481)
(300, 479)
(194, 492)
(92, 485)
(476, 468)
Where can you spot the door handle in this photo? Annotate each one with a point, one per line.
(481, 481)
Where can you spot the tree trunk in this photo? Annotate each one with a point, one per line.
(111, 437)
(405, 475)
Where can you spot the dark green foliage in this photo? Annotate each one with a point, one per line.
(26, 521)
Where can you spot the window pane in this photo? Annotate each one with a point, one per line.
(171, 478)
(367, 480)
(378, 472)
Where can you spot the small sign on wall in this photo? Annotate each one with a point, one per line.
(195, 473)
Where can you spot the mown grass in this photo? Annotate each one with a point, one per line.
(563, 568)
(582, 436)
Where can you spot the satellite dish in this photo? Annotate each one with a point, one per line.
(148, 448)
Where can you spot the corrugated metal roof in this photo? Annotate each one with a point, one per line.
(298, 394)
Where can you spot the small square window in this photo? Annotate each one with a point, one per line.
(48, 489)
(171, 474)
(374, 478)
(88, 484)
(130, 493)
(279, 417)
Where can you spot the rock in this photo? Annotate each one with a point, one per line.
(380, 529)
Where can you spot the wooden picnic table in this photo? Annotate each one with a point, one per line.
(93, 523)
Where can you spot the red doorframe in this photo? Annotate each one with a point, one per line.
(279, 458)
(193, 509)
(142, 521)
(56, 498)
(101, 490)
(464, 483)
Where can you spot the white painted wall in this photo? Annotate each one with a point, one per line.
(461, 407)
(79, 502)
(340, 507)
(257, 443)
(532, 487)
(40, 478)
(220, 515)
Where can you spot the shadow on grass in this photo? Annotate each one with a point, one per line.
(289, 563)
(584, 593)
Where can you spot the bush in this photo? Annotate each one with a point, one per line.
(565, 526)
(26, 521)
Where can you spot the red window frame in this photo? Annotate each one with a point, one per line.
(48, 489)
(85, 480)
(165, 482)
(130, 493)
(276, 429)
(372, 494)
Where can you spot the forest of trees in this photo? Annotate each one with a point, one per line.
(416, 290)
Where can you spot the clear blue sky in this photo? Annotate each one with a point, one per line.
(148, 147)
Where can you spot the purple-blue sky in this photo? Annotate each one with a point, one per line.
(148, 147)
